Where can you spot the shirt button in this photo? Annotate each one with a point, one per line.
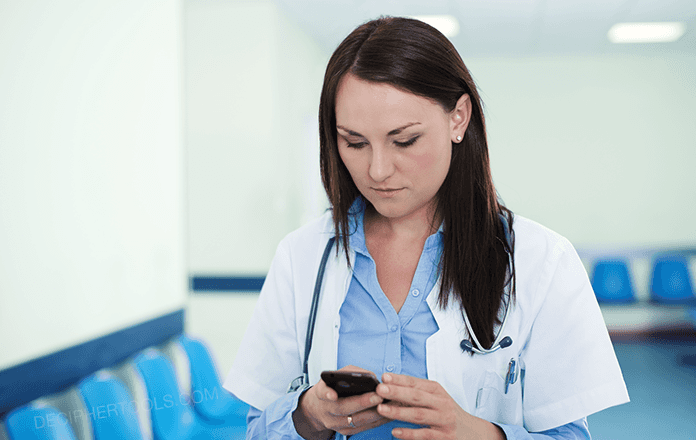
(390, 368)
(415, 292)
(393, 328)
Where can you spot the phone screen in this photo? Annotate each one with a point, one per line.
(347, 383)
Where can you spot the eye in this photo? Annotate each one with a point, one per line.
(408, 143)
(356, 145)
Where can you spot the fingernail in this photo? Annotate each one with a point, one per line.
(328, 396)
(385, 389)
(375, 400)
(384, 408)
(397, 432)
(387, 377)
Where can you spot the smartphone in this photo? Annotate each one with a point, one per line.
(350, 383)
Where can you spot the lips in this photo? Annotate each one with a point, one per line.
(386, 192)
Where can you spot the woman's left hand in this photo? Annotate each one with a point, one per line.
(425, 402)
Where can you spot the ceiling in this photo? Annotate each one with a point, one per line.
(508, 27)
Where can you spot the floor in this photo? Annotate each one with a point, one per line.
(661, 381)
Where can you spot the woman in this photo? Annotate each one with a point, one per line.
(481, 324)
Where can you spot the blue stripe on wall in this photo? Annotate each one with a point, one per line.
(226, 283)
(57, 371)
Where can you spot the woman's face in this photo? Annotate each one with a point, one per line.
(397, 146)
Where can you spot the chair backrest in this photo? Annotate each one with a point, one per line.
(210, 400)
(3, 432)
(173, 351)
(671, 281)
(611, 282)
(113, 410)
(129, 375)
(71, 403)
(38, 421)
(172, 416)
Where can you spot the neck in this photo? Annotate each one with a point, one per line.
(418, 225)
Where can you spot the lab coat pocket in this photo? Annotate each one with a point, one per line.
(495, 405)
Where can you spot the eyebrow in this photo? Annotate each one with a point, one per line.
(391, 133)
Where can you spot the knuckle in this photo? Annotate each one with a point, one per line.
(419, 415)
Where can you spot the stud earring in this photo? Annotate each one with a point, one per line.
(459, 138)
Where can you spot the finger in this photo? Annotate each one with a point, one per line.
(417, 415)
(324, 392)
(350, 405)
(410, 381)
(362, 421)
(410, 396)
(416, 434)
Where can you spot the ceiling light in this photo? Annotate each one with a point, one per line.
(646, 32)
(446, 24)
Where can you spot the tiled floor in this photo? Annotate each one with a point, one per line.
(662, 390)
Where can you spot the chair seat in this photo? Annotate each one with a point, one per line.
(38, 422)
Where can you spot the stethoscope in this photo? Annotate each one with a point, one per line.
(302, 382)
(499, 341)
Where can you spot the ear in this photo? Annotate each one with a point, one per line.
(459, 118)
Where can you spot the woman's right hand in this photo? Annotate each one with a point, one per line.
(320, 412)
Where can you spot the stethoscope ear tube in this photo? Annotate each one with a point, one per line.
(500, 342)
(302, 382)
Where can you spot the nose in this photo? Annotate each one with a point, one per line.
(381, 163)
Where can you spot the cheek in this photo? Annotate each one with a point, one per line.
(436, 163)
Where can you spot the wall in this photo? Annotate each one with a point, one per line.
(599, 148)
(91, 170)
(252, 91)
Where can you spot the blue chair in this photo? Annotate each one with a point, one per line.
(113, 409)
(612, 283)
(210, 400)
(671, 282)
(38, 422)
(170, 409)
(172, 418)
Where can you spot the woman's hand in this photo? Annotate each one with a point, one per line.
(425, 402)
(320, 411)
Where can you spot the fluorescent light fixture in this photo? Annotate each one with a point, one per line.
(446, 24)
(646, 32)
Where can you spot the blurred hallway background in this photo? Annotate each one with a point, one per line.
(153, 154)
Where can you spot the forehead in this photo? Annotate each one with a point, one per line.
(363, 105)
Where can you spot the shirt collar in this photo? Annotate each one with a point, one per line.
(356, 217)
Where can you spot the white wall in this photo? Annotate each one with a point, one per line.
(598, 148)
(252, 86)
(253, 80)
(91, 170)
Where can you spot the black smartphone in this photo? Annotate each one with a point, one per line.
(348, 383)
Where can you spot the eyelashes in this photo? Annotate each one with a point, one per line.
(408, 143)
(356, 145)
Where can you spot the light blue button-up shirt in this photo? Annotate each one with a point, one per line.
(374, 337)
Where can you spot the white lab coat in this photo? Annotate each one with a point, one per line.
(559, 336)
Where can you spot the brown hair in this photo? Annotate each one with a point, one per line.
(413, 56)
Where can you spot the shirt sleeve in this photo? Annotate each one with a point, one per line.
(576, 430)
(571, 370)
(275, 422)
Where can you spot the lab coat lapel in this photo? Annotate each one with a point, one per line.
(324, 353)
(445, 361)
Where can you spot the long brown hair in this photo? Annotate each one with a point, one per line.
(413, 56)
